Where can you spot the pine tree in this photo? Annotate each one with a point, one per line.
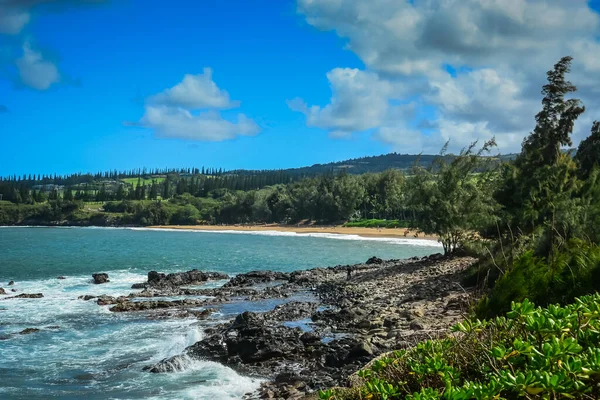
(588, 152)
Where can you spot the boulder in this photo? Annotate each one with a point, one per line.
(2, 291)
(28, 331)
(100, 278)
(255, 277)
(86, 297)
(124, 305)
(28, 296)
(105, 300)
(374, 260)
(175, 280)
(11, 283)
(139, 286)
(309, 337)
(361, 349)
(60, 277)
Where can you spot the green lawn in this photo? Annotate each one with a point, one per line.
(134, 181)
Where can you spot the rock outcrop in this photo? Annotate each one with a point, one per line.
(100, 278)
(176, 280)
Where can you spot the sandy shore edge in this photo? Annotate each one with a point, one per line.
(396, 233)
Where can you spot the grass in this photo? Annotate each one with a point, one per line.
(134, 181)
(377, 223)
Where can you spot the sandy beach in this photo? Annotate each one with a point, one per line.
(340, 230)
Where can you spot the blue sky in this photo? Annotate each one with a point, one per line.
(85, 87)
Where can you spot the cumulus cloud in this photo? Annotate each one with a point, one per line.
(34, 71)
(359, 102)
(174, 122)
(174, 113)
(195, 92)
(500, 50)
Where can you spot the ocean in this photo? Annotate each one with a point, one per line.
(82, 350)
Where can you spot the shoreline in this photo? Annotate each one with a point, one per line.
(333, 321)
(391, 233)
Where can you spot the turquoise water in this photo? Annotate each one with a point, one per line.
(85, 351)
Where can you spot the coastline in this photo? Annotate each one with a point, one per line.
(392, 233)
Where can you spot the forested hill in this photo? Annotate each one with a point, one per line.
(368, 164)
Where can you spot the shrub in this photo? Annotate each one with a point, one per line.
(572, 271)
(534, 353)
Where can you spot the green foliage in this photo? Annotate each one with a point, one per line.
(572, 272)
(450, 200)
(588, 152)
(377, 223)
(532, 352)
(544, 244)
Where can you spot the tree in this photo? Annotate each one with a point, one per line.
(68, 194)
(450, 200)
(533, 186)
(120, 195)
(588, 152)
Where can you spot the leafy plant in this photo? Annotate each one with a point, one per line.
(532, 352)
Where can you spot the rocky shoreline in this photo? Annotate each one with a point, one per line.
(317, 327)
(333, 321)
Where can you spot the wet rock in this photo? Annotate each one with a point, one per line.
(105, 300)
(28, 331)
(60, 277)
(155, 277)
(86, 297)
(11, 283)
(204, 314)
(100, 278)
(2, 291)
(139, 286)
(28, 296)
(124, 306)
(175, 280)
(172, 364)
(255, 277)
(374, 260)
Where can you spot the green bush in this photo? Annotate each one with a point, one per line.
(572, 271)
(532, 353)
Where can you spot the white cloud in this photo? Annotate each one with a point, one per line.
(178, 123)
(34, 71)
(173, 113)
(501, 50)
(195, 92)
(360, 101)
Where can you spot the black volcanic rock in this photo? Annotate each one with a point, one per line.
(178, 279)
(100, 278)
(374, 260)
